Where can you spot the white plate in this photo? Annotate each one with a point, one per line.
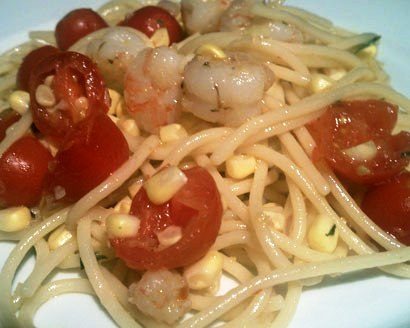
(367, 299)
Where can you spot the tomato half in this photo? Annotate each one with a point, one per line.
(23, 169)
(388, 205)
(196, 208)
(348, 124)
(79, 92)
(77, 24)
(151, 18)
(7, 118)
(91, 153)
(30, 62)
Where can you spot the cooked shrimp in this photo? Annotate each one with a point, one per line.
(152, 87)
(114, 50)
(226, 91)
(202, 15)
(162, 295)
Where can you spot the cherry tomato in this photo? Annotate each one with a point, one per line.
(388, 205)
(348, 124)
(77, 24)
(23, 168)
(91, 153)
(196, 208)
(78, 89)
(7, 118)
(151, 18)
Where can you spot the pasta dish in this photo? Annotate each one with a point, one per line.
(159, 149)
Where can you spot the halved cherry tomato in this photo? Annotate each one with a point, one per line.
(23, 168)
(91, 153)
(348, 124)
(77, 24)
(388, 205)
(151, 18)
(7, 118)
(30, 62)
(79, 91)
(196, 208)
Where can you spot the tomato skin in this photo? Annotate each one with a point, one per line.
(198, 203)
(151, 18)
(348, 124)
(91, 153)
(75, 76)
(388, 205)
(30, 62)
(77, 24)
(23, 169)
(7, 118)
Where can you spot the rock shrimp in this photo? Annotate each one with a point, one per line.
(225, 91)
(152, 87)
(202, 15)
(162, 295)
(114, 50)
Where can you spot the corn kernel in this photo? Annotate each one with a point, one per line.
(160, 38)
(14, 219)
(169, 236)
(362, 152)
(172, 133)
(320, 82)
(130, 126)
(115, 100)
(122, 225)
(336, 73)
(323, 234)
(273, 213)
(211, 50)
(368, 52)
(59, 237)
(165, 184)
(240, 166)
(19, 101)
(203, 273)
(123, 206)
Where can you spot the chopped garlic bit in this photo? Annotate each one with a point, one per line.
(165, 184)
(14, 219)
(129, 126)
(45, 96)
(323, 234)
(169, 236)
(240, 166)
(115, 100)
(208, 49)
(364, 151)
(172, 132)
(160, 38)
(122, 225)
(203, 273)
(59, 237)
(274, 214)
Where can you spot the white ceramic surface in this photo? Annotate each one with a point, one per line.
(367, 299)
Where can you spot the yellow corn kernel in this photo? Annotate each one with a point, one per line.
(208, 49)
(115, 100)
(165, 184)
(160, 37)
(362, 152)
(14, 219)
(203, 273)
(19, 101)
(273, 213)
(172, 133)
(335, 73)
(122, 225)
(169, 236)
(59, 237)
(123, 206)
(368, 52)
(240, 166)
(130, 126)
(323, 234)
(320, 82)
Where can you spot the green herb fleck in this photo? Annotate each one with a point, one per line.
(366, 44)
(331, 231)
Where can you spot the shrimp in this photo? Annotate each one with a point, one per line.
(152, 88)
(114, 50)
(202, 15)
(225, 91)
(162, 295)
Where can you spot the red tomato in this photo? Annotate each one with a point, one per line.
(30, 62)
(77, 24)
(151, 18)
(23, 168)
(91, 153)
(75, 77)
(7, 118)
(388, 205)
(196, 208)
(348, 124)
